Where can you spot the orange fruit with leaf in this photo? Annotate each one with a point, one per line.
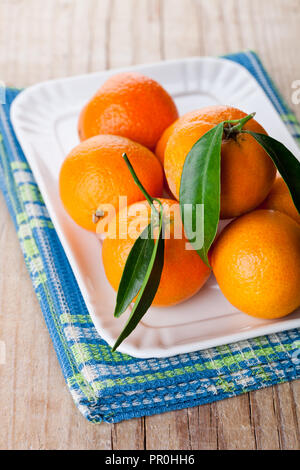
(256, 261)
(130, 105)
(94, 175)
(247, 172)
(183, 274)
(191, 116)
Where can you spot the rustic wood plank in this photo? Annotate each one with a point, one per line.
(97, 48)
(295, 393)
(264, 419)
(235, 429)
(146, 34)
(168, 431)
(120, 39)
(203, 429)
(129, 435)
(41, 40)
(180, 29)
(288, 425)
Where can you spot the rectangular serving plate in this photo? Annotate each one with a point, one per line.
(45, 116)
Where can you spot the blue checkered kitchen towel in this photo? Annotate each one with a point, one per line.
(110, 386)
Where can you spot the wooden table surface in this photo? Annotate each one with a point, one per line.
(54, 38)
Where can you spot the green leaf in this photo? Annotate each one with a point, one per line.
(135, 270)
(149, 286)
(200, 184)
(285, 162)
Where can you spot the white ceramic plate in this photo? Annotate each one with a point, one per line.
(45, 120)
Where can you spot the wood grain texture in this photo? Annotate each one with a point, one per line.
(55, 38)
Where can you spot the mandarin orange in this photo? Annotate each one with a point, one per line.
(95, 175)
(207, 114)
(131, 105)
(256, 261)
(183, 273)
(247, 172)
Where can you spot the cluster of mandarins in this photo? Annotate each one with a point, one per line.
(256, 258)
